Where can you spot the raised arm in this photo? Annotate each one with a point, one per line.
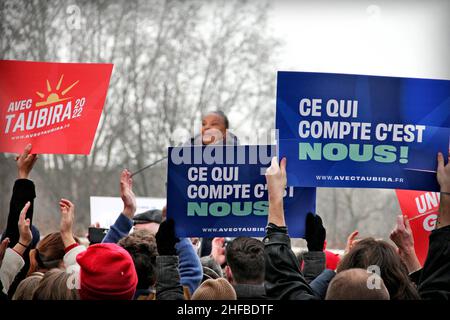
(13, 260)
(443, 177)
(402, 236)
(283, 277)
(124, 222)
(434, 281)
(23, 192)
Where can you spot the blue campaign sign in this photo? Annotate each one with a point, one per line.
(220, 191)
(342, 130)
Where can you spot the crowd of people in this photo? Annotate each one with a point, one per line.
(141, 257)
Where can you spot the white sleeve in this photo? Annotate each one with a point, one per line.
(11, 266)
(70, 258)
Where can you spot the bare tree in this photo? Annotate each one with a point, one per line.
(173, 60)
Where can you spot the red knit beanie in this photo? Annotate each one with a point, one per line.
(107, 272)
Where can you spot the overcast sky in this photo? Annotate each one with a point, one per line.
(393, 38)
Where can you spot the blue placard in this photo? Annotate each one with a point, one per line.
(220, 191)
(342, 130)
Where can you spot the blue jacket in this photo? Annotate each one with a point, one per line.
(190, 268)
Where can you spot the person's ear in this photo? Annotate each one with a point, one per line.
(229, 274)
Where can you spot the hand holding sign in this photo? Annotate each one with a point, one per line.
(443, 173)
(443, 177)
(276, 183)
(25, 162)
(402, 236)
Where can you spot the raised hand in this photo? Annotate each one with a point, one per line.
(276, 184)
(25, 162)
(351, 241)
(127, 194)
(25, 234)
(402, 236)
(443, 177)
(67, 210)
(443, 173)
(218, 250)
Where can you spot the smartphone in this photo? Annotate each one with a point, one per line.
(96, 235)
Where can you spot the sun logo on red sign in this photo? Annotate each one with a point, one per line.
(54, 96)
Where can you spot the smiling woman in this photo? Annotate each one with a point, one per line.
(215, 131)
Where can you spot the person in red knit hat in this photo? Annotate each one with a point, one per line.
(104, 271)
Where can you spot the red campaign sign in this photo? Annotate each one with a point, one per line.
(421, 208)
(54, 106)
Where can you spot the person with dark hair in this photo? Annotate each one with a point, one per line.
(141, 245)
(352, 284)
(283, 277)
(215, 130)
(370, 252)
(245, 267)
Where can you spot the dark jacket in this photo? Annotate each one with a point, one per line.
(314, 264)
(315, 273)
(250, 292)
(283, 277)
(23, 191)
(433, 280)
(168, 285)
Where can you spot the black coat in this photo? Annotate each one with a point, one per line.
(250, 292)
(283, 278)
(23, 191)
(433, 279)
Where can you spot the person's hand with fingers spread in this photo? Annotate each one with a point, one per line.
(402, 236)
(218, 250)
(351, 241)
(25, 235)
(127, 194)
(443, 177)
(25, 162)
(276, 184)
(67, 210)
